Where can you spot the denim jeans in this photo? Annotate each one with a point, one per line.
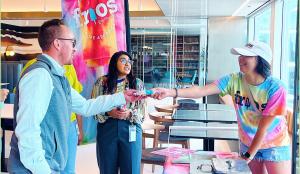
(274, 154)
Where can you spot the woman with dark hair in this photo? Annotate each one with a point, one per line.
(260, 104)
(119, 132)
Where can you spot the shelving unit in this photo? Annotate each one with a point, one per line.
(188, 56)
(151, 55)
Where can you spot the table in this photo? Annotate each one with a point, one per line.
(206, 131)
(205, 116)
(224, 116)
(202, 157)
(6, 124)
(204, 107)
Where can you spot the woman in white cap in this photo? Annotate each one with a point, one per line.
(260, 104)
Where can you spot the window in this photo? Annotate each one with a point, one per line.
(289, 47)
(284, 42)
(262, 23)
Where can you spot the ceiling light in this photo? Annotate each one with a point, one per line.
(9, 51)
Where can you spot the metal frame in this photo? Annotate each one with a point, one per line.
(296, 98)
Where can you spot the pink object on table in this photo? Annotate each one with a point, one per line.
(170, 168)
(173, 152)
(224, 155)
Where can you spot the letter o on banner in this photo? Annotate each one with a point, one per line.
(98, 10)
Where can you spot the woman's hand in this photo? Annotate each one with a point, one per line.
(161, 93)
(121, 114)
(131, 96)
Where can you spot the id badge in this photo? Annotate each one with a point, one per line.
(132, 133)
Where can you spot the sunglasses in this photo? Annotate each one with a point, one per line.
(72, 40)
(124, 61)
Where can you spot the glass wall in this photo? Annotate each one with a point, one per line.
(289, 47)
(281, 35)
(169, 51)
(262, 24)
(282, 39)
(296, 136)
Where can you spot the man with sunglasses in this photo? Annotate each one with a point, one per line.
(44, 102)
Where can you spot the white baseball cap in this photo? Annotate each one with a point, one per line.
(255, 48)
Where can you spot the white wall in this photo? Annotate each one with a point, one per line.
(223, 34)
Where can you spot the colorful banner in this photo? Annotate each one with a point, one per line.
(100, 28)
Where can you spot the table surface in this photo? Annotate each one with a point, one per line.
(201, 130)
(203, 157)
(205, 116)
(204, 107)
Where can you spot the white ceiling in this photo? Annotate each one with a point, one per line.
(181, 14)
(55, 5)
(186, 15)
(208, 8)
(180, 7)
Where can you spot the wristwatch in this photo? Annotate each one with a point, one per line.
(246, 155)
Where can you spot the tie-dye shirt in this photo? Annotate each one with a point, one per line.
(270, 100)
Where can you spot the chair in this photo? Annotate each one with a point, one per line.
(156, 77)
(147, 156)
(170, 108)
(162, 136)
(165, 108)
(188, 80)
(165, 78)
(186, 101)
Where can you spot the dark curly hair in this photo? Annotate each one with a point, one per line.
(263, 67)
(113, 73)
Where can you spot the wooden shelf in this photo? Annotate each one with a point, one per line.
(188, 55)
(187, 52)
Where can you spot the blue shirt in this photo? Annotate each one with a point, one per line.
(35, 90)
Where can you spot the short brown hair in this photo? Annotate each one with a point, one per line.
(48, 32)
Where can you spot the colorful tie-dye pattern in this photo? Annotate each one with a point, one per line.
(100, 30)
(270, 100)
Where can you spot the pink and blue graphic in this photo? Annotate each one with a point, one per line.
(100, 30)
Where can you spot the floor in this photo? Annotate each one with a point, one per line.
(86, 155)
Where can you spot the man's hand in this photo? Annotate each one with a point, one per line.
(130, 96)
(79, 124)
(3, 94)
(121, 114)
(161, 93)
(80, 137)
